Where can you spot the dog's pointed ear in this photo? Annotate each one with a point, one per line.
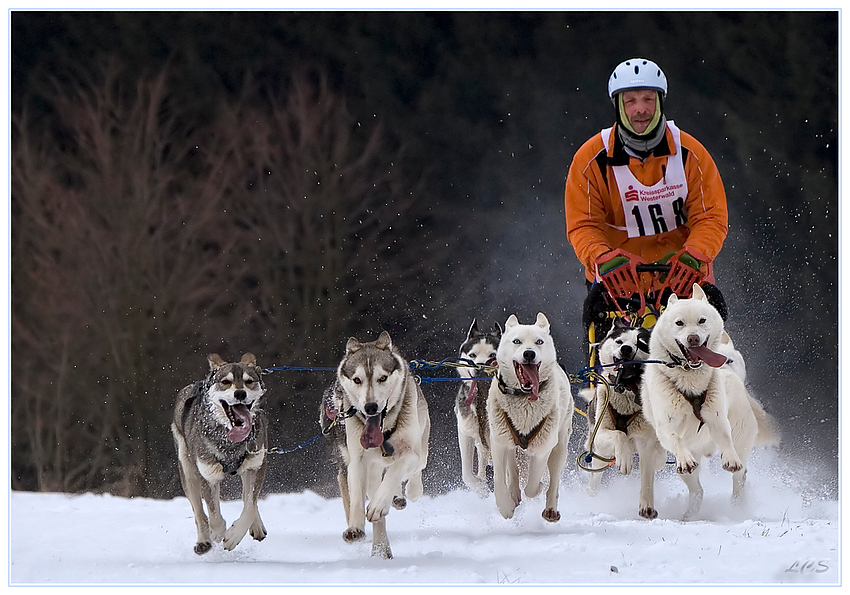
(473, 329)
(352, 346)
(384, 341)
(699, 294)
(215, 361)
(511, 321)
(542, 321)
(497, 329)
(620, 322)
(672, 299)
(249, 359)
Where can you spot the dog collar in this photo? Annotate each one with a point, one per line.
(683, 363)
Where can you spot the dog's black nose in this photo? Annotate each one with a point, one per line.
(240, 395)
(370, 408)
(529, 355)
(627, 351)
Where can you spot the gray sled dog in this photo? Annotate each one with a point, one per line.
(696, 405)
(220, 429)
(623, 430)
(386, 436)
(473, 430)
(530, 407)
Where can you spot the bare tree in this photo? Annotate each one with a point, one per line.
(142, 240)
(115, 253)
(326, 210)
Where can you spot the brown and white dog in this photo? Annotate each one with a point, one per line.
(220, 429)
(386, 436)
(473, 429)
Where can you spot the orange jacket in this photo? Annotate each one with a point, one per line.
(592, 207)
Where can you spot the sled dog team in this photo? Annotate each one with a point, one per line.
(694, 405)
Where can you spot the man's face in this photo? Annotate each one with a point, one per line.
(640, 108)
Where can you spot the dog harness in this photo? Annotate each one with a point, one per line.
(522, 440)
(696, 402)
(622, 420)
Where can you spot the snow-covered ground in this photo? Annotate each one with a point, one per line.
(785, 532)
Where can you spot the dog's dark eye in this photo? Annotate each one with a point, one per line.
(680, 323)
(356, 381)
(702, 320)
(539, 342)
(226, 382)
(382, 378)
(517, 341)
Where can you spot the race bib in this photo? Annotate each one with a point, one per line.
(650, 210)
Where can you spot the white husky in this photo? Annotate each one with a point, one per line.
(529, 406)
(696, 405)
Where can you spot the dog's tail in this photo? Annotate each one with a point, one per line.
(769, 434)
(587, 394)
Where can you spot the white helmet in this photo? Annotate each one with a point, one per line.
(637, 73)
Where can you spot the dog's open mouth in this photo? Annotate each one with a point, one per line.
(373, 432)
(697, 354)
(240, 420)
(529, 378)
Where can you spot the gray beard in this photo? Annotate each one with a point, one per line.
(643, 145)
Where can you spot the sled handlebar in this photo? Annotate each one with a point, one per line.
(652, 267)
(624, 280)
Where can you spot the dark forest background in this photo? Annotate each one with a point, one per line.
(193, 182)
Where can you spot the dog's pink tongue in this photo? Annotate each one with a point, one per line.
(241, 430)
(530, 378)
(715, 360)
(473, 392)
(373, 435)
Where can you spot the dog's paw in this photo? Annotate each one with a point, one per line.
(648, 513)
(624, 464)
(233, 537)
(506, 506)
(686, 466)
(731, 464)
(217, 531)
(399, 503)
(377, 510)
(202, 547)
(477, 485)
(353, 534)
(551, 515)
(258, 530)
